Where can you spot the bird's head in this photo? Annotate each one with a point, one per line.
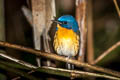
(69, 22)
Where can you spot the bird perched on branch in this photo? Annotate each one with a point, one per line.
(66, 39)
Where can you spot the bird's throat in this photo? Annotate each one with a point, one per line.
(65, 33)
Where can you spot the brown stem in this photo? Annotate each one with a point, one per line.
(90, 49)
(81, 19)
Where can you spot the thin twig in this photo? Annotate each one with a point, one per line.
(117, 7)
(60, 58)
(18, 77)
(107, 52)
(17, 60)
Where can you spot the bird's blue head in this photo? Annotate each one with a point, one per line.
(69, 22)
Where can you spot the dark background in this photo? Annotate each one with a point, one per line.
(106, 31)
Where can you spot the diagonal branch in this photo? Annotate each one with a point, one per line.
(77, 74)
(117, 7)
(17, 60)
(54, 71)
(107, 52)
(60, 58)
(28, 15)
(74, 73)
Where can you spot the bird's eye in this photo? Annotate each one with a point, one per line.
(64, 22)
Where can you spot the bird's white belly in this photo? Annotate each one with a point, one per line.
(66, 48)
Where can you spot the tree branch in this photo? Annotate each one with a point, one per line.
(75, 73)
(106, 52)
(17, 61)
(60, 58)
(51, 70)
(90, 47)
(117, 7)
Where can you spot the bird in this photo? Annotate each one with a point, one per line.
(67, 37)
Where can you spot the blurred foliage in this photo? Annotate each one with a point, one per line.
(3, 77)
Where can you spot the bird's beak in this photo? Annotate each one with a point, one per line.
(56, 21)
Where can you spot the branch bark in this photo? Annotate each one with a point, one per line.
(17, 60)
(73, 73)
(58, 71)
(81, 19)
(39, 13)
(50, 14)
(60, 58)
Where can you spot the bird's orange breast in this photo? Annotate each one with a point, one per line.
(66, 41)
(65, 33)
